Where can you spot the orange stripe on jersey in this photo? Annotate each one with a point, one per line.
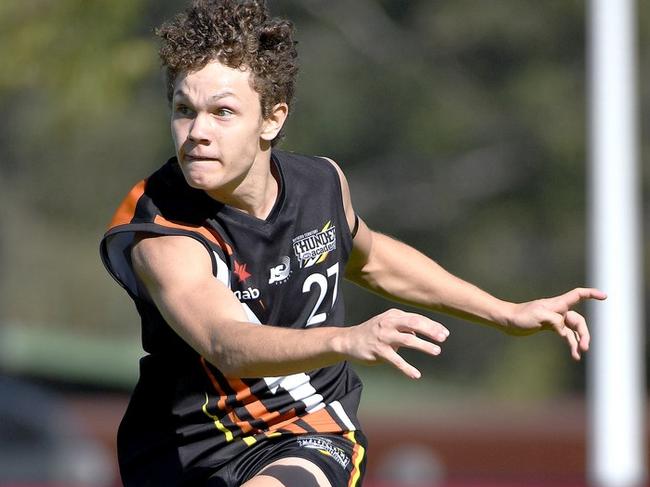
(284, 423)
(126, 211)
(251, 402)
(221, 404)
(291, 427)
(257, 409)
(358, 453)
(245, 426)
(322, 421)
(217, 422)
(214, 238)
(280, 419)
(212, 378)
(243, 394)
(222, 395)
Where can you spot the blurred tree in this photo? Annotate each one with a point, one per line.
(73, 71)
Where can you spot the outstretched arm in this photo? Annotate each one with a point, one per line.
(176, 272)
(399, 272)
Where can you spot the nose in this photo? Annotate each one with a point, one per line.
(199, 130)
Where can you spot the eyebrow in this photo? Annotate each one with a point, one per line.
(223, 94)
(216, 96)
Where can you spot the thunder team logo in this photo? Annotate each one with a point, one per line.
(313, 247)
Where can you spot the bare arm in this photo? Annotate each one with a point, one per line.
(417, 280)
(176, 272)
(399, 272)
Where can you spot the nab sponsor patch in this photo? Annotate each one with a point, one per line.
(251, 292)
(247, 294)
(313, 247)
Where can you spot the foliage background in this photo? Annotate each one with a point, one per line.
(460, 125)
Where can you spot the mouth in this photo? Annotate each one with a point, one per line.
(195, 158)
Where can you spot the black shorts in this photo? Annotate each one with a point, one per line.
(342, 458)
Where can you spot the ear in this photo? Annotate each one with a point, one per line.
(272, 125)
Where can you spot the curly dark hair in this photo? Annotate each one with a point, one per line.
(237, 33)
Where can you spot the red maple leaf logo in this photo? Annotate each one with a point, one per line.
(241, 272)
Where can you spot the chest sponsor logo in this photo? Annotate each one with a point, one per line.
(241, 271)
(247, 294)
(313, 247)
(280, 273)
(242, 274)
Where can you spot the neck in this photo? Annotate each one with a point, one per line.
(257, 193)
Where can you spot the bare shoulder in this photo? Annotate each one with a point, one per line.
(158, 257)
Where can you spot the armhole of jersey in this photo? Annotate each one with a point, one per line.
(351, 232)
(115, 251)
(356, 226)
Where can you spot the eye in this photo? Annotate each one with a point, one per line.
(183, 110)
(223, 112)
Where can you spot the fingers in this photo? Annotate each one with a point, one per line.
(405, 328)
(572, 339)
(395, 329)
(414, 323)
(578, 324)
(577, 333)
(573, 297)
(573, 328)
(402, 365)
(409, 340)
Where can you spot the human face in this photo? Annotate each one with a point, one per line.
(217, 127)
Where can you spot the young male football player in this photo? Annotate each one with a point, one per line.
(234, 253)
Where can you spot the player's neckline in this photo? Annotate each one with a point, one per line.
(235, 214)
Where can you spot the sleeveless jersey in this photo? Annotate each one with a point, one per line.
(184, 415)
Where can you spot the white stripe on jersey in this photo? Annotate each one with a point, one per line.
(250, 315)
(300, 388)
(297, 385)
(222, 271)
(340, 412)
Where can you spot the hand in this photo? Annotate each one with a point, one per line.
(555, 314)
(378, 339)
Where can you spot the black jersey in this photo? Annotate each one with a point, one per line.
(286, 271)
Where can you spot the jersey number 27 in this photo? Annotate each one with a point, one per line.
(321, 282)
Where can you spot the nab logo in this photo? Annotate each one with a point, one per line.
(242, 274)
(280, 273)
(247, 294)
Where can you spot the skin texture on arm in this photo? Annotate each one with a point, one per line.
(176, 271)
(417, 280)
